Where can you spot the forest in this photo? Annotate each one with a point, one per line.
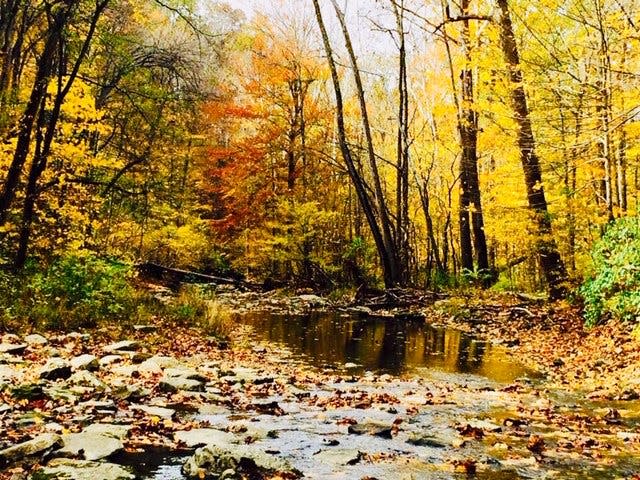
(446, 186)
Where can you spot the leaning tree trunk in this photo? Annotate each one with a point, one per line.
(547, 250)
(362, 190)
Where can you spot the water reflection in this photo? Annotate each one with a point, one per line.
(383, 344)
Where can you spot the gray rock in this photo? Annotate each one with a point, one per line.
(372, 428)
(77, 337)
(199, 437)
(313, 300)
(338, 456)
(62, 468)
(61, 394)
(248, 460)
(189, 373)
(165, 362)
(84, 378)
(13, 348)
(109, 429)
(4, 408)
(145, 328)
(131, 392)
(91, 445)
(110, 359)
(154, 411)
(55, 369)
(37, 447)
(98, 406)
(8, 373)
(421, 440)
(85, 362)
(176, 384)
(124, 345)
(35, 339)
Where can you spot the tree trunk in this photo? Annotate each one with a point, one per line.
(358, 182)
(396, 272)
(59, 17)
(547, 250)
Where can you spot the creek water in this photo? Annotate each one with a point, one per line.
(416, 356)
(341, 341)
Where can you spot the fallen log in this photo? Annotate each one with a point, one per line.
(176, 276)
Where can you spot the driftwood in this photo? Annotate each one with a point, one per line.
(376, 299)
(176, 276)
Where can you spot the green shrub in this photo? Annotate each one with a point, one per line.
(196, 306)
(613, 291)
(74, 291)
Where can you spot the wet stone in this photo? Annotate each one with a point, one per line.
(155, 411)
(37, 447)
(199, 437)
(13, 348)
(67, 469)
(372, 428)
(91, 445)
(55, 369)
(176, 384)
(123, 346)
(110, 359)
(85, 362)
(339, 456)
(244, 460)
(35, 339)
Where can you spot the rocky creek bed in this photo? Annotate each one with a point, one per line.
(165, 402)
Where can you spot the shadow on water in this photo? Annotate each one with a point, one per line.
(383, 345)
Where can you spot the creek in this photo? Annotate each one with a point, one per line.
(402, 359)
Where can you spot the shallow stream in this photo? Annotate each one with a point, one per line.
(412, 358)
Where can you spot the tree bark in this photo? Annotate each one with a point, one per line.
(358, 182)
(547, 250)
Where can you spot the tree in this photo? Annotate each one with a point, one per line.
(549, 257)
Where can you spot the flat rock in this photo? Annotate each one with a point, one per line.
(4, 408)
(35, 339)
(245, 460)
(55, 369)
(176, 384)
(110, 359)
(63, 468)
(91, 445)
(124, 345)
(338, 456)
(154, 411)
(165, 362)
(7, 372)
(421, 440)
(39, 446)
(371, 428)
(13, 348)
(109, 429)
(189, 373)
(145, 328)
(199, 437)
(87, 379)
(85, 362)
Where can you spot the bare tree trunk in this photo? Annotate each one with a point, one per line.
(58, 18)
(396, 271)
(386, 260)
(402, 156)
(549, 257)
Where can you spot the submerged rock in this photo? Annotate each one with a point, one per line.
(62, 468)
(38, 447)
(236, 460)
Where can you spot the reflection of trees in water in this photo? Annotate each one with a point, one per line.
(377, 344)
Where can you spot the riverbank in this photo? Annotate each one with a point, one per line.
(84, 403)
